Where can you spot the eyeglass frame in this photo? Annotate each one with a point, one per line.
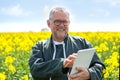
(58, 22)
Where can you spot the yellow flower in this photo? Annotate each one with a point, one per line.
(103, 47)
(8, 49)
(25, 77)
(9, 60)
(2, 76)
(98, 49)
(11, 68)
(112, 65)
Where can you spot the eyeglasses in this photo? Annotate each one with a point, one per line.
(58, 22)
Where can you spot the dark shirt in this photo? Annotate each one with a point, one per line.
(43, 67)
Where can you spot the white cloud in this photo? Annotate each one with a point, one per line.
(19, 26)
(80, 27)
(110, 2)
(100, 12)
(114, 2)
(15, 11)
(46, 11)
(94, 27)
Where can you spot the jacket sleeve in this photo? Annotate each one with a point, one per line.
(96, 66)
(39, 68)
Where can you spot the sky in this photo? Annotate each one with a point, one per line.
(85, 15)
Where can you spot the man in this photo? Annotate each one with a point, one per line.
(53, 58)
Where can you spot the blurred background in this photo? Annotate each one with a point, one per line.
(23, 23)
(86, 15)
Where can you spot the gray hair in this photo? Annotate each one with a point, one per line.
(61, 9)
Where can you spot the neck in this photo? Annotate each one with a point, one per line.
(58, 39)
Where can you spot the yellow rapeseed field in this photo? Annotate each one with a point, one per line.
(15, 50)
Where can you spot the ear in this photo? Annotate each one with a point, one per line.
(48, 23)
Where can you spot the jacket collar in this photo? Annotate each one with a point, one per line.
(65, 40)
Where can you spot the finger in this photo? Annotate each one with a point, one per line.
(72, 56)
(75, 75)
(79, 68)
(66, 62)
(69, 64)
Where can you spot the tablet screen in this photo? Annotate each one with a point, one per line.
(83, 59)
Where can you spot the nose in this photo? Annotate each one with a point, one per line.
(61, 24)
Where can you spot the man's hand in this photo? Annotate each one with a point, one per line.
(68, 62)
(82, 74)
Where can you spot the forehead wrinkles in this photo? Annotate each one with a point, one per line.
(60, 15)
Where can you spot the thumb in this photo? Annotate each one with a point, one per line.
(79, 68)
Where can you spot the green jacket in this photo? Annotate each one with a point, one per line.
(43, 67)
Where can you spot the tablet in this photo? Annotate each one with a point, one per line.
(83, 59)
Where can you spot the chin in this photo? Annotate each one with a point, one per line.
(62, 35)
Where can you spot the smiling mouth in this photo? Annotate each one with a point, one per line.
(61, 29)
